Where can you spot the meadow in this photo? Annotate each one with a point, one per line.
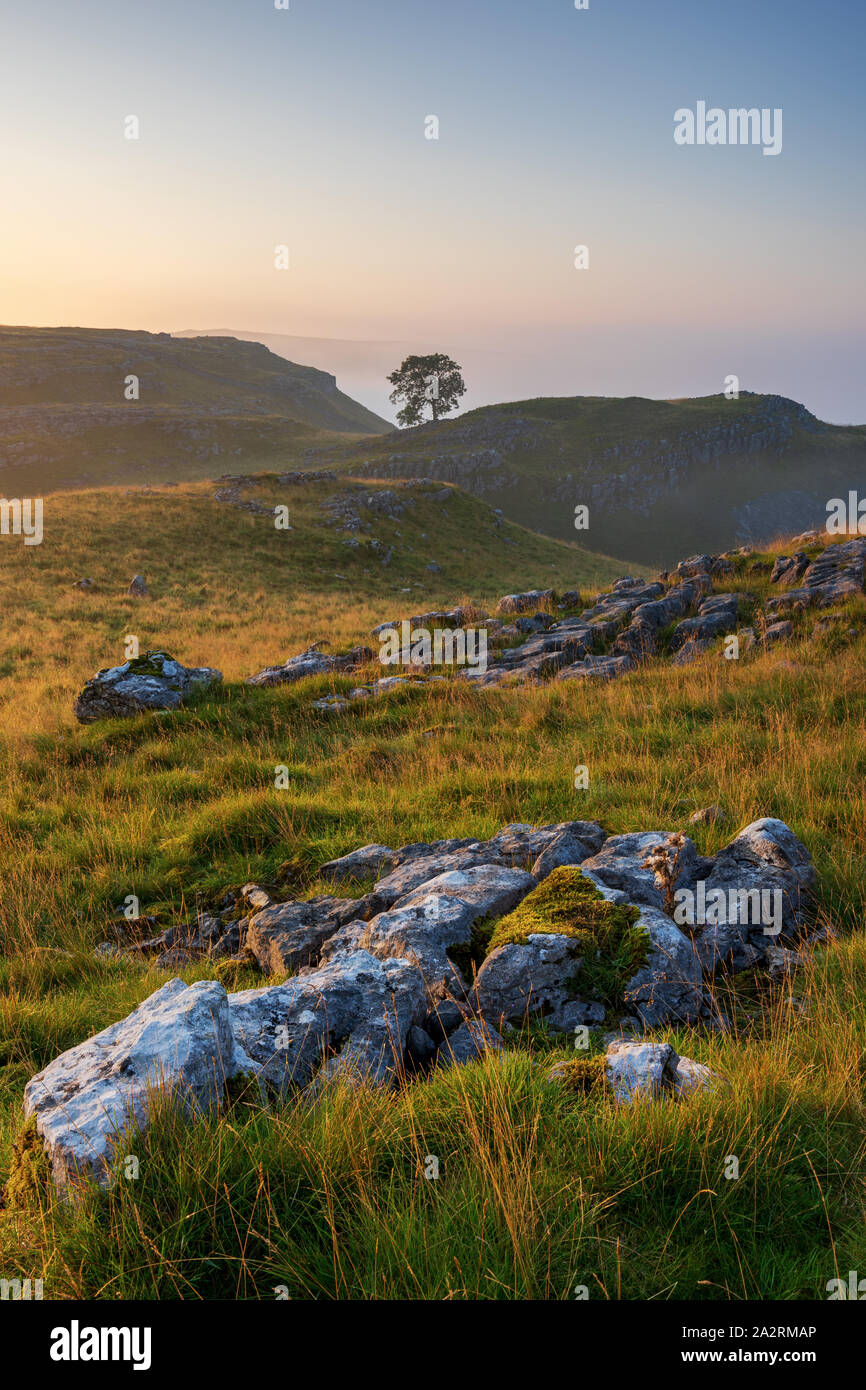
(541, 1193)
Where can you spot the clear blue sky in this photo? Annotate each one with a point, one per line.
(306, 127)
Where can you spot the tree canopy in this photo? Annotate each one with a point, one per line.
(435, 380)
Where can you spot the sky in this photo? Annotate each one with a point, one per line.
(305, 127)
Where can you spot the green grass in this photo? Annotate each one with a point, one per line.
(541, 1188)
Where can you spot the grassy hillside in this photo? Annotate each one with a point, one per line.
(65, 421)
(650, 472)
(658, 476)
(232, 591)
(540, 1191)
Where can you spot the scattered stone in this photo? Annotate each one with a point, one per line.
(522, 603)
(286, 936)
(312, 662)
(708, 815)
(255, 897)
(780, 961)
(602, 667)
(640, 1069)
(789, 569)
(444, 1018)
(420, 1048)
(669, 987)
(360, 863)
(716, 616)
(691, 650)
(691, 1077)
(621, 865)
(154, 681)
(565, 849)
(352, 1015)
(138, 588)
(764, 858)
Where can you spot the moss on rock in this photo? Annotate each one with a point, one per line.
(612, 947)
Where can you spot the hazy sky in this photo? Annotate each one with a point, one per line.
(306, 127)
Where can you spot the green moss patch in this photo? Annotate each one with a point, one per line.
(238, 973)
(581, 1075)
(30, 1170)
(147, 664)
(613, 948)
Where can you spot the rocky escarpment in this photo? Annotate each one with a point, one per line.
(455, 947)
(678, 618)
(479, 453)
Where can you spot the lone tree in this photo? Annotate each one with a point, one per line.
(436, 381)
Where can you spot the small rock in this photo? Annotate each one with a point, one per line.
(83, 1100)
(640, 1069)
(256, 897)
(471, 1041)
(444, 1018)
(690, 1077)
(360, 863)
(779, 632)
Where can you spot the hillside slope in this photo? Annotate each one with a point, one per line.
(651, 472)
(65, 420)
(362, 365)
(233, 591)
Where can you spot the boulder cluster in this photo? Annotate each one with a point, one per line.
(455, 946)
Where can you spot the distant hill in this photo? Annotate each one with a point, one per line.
(65, 422)
(362, 365)
(652, 473)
